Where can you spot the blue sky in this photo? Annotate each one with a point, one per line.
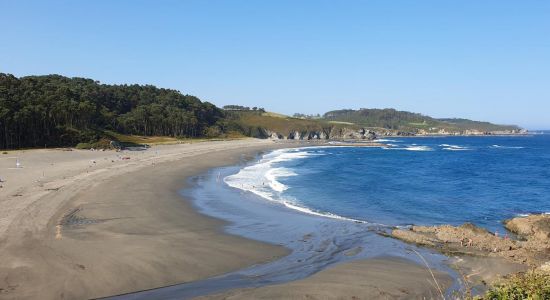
(485, 60)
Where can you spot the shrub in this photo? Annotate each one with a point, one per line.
(213, 131)
(83, 146)
(530, 285)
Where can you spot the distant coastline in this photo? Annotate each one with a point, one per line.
(39, 113)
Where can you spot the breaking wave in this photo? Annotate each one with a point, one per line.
(454, 147)
(263, 177)
(505, 147)
(413, 147)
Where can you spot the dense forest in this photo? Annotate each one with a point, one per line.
(39, 111)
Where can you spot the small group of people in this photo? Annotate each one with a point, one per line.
(466, 242)
(505, 235)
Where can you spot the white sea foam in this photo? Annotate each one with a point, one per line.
(418, 148)
(412, 147)
(263, 177)
(526, 215)
(387, 140)
(506, 147)
(454, 147)
(273, 174)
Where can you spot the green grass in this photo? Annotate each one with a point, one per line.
(419, 124)
(276, 115)
(137, 140)
(126, 140)
(278, 124)
(341, 122)
(141, 140)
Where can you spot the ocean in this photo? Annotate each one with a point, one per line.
(329, 205)
(422, 180)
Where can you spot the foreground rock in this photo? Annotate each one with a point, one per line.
(535, 229)
(532, 247)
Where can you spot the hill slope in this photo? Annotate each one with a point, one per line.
(393, 120)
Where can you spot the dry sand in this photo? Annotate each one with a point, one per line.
(82, 224)
(123, 226)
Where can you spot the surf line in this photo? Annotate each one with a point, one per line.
(251, 179)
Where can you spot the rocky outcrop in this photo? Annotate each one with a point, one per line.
(272, 135)
(294, 135)
(533, 226)
(350, 133)
(467, 235)
(353, 134)
(533, 229)
(331, 133)
(534, 250)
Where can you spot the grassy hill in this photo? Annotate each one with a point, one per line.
(254, 123)
(482, 126)
(392, 119)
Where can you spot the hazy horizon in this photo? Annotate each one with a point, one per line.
(483, 61)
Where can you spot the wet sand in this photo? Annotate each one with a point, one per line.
(86, 224)
(384, 278)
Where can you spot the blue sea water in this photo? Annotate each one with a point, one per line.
(428, 180)
(327, 204)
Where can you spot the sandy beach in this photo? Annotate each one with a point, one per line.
(88, 229)
(384, 278)
(85, 224)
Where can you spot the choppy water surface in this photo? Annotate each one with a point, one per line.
(437, 180)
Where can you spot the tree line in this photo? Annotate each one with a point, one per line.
(243, 108)
(53, 110)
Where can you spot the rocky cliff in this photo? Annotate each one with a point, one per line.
(326, 133)
(258, 125)
(361, 133)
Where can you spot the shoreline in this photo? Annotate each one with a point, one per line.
(478, 270)
(318, 247)
(87, 224)
(89, 221)
(80, 232)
